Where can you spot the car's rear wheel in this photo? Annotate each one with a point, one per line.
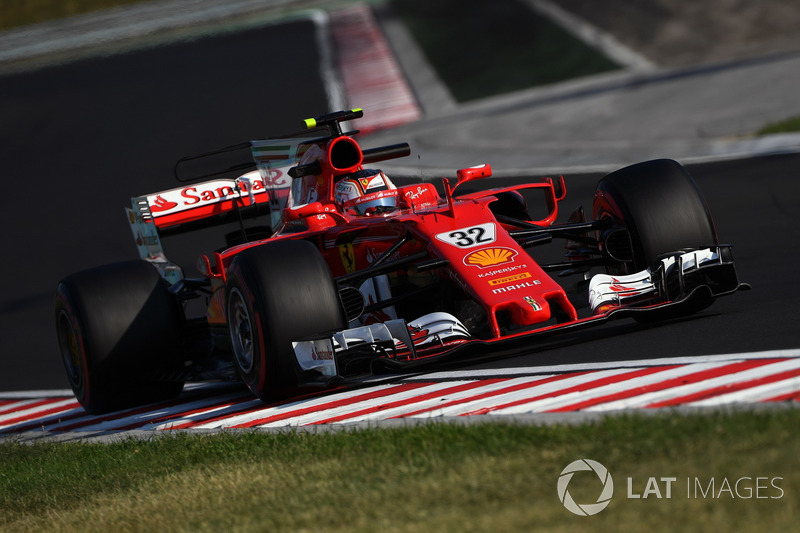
(119, 333)
(658, 205)
(277, 293)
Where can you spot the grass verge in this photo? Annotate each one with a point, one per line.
(15, 13)
(484, 48)
(790, 125)
(439, 477)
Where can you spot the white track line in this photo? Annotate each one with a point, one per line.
(576, 367)
(590, 392)
(752, 395)
(324, 413)
(648, 399)
(432, 406)
(327, 64)
(586, 387)
(28, 409)
(371, 77)
(593, 36)
(553, 389)
(286, 409)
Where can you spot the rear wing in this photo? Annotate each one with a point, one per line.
(200, 204)
(236, 192)
(183, 205)
(208, 203)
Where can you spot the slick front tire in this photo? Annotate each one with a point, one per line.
(119, 334)
(277, 293)
(661, 207)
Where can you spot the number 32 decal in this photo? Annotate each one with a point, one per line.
(469, 237)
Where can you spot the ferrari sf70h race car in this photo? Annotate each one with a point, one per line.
(334, 272)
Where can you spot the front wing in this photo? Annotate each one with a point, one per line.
(679, 288)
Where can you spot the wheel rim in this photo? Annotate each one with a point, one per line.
(70, 351)
(241, 330)
(620, 268)
(606, 210)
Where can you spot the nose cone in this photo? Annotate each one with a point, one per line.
(526, 310)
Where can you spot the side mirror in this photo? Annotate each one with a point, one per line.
(204, 267)
(464, 175)
(473, 173)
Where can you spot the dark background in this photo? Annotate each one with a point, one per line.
(77, 141)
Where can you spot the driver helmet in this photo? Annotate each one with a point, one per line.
(365, 190)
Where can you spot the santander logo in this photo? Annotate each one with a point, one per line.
(160, 204)
(209, 192)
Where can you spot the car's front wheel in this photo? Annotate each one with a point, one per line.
(654, 208)
(659, 208)
(277, 293)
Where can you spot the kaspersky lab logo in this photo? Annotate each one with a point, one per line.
(606, 492)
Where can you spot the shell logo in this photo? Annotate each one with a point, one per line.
(489, 257)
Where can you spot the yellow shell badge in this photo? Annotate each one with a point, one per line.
(489, 257)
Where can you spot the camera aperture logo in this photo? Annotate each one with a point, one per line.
(585, 509)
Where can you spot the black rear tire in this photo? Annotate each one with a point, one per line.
(119, 332)
(277, 293)
(660, 205)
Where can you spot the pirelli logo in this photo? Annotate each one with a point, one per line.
(509, 279)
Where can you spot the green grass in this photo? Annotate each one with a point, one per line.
(790, 125)
(482, 48)
(486, 477)
(15, 13)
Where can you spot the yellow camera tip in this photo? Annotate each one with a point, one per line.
(310, 123)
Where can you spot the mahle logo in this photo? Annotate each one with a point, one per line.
(585, 509)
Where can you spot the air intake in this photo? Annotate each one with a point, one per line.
(618, 245)
(352, 302)
(344, 155)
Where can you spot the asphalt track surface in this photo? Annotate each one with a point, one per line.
(77, 141)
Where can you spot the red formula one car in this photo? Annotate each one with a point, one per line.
(335, 272)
